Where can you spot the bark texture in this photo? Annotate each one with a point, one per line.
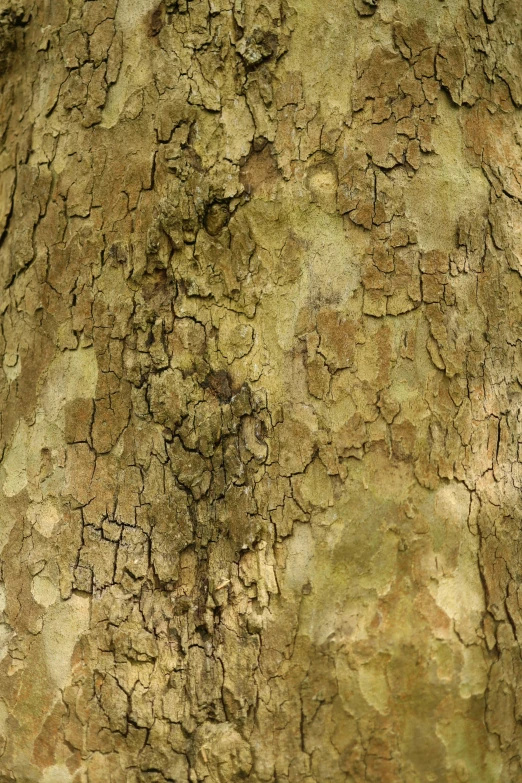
(261, 391)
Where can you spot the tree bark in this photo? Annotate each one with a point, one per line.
(260, 391)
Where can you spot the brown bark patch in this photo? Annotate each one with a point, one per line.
(156, 20)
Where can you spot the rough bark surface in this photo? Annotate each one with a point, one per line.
(260, 391)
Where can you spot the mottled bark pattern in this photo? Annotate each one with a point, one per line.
(261, 391)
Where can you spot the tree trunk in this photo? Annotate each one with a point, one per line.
(260, 391)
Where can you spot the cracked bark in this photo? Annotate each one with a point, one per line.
(260, 391)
